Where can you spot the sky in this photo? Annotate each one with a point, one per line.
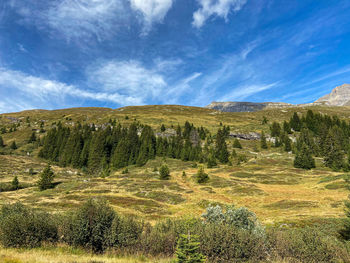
(114, 53)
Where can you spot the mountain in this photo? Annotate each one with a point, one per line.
(246, 106)
(340, 96)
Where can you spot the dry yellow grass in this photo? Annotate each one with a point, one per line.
(69, 255)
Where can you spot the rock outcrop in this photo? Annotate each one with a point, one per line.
(340, 96)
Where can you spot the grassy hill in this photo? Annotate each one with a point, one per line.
(267, 183)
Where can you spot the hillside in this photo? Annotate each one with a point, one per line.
(267, 183)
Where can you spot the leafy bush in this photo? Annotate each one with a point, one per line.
(24, 227)
(89, 226)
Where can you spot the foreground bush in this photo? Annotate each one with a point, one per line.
(24, 227)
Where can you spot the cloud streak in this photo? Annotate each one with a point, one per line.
(219, 8)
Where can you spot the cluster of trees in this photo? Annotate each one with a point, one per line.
(117, 146)
(222, 235)
(318, 135)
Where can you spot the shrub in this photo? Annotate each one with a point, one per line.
(89, 226)
(24, 227)
(164, 172)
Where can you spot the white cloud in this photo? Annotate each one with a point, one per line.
(152, 11)
(129, 78)
(42, 92)
(220, 8)
(241, 93)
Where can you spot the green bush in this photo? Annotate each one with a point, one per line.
(89, 226)
(24, 227)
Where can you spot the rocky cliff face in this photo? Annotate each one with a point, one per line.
(246, 106)
(340, 96)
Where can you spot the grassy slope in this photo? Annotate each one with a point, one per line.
(268, 184)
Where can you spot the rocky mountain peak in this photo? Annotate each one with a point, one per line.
(340, 96)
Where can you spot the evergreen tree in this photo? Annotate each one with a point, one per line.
(295, 122)
(32, 138)
(221, 151)
(263, 143)
(15, 183)
(334, 155)
(287, 143)
(211, 161)
(188, 250)
(148, 146)
(304, 159)
(286, 127)
(275, 129)
(164, 172)
(1, 142)
(13, 145)
(46, 178)
(237, 144)
(202, 177)
(264, 120)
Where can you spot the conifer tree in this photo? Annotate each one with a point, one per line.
(1, 142)
(295, 122)
(211, 161)
(202, 177)
(286, 127)
(221, 151)
(188, 250)
(164, 173)
(264, 120)
(15, 183)
(287, 143)
(304, 159)
(13, 145)
(46, 178)
(275, 129)
(333, 153)
(162, 128)
(32, 138)
(263, 143)
(237, 144)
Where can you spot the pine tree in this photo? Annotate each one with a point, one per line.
(211, 161)
(287, 143)
(334, 155)
(13, 145)
(237, 144)
(263, 143)
(164, 173)
(221, 151)
(1, 142)
(264, 120)
(15, 183)
(286, 127)
(188, 250)
(275, 129)
(202, 177)
(46, 178)
(304, 159)
(295, 122)
(32, 138)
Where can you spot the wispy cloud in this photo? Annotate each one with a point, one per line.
(242, 92)
(220, 8)
(152, 11)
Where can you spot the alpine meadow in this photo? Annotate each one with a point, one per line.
(168, 131)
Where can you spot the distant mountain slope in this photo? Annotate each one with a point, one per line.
(340, 96)
(247, 106)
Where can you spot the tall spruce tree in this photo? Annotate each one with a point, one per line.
(334, 155)
(32, 138)
(304, 159)
(295, 122)
(1, 142)
(275, 129)
(221, 151)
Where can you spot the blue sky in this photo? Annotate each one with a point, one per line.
(113, 53)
